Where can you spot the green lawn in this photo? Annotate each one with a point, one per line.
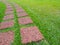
(46, 16)
(2, 10)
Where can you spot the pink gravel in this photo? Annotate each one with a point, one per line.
(6, 38)
(25, 20)
(6, 24)
(22, 14)
(7, 17)
(30, 34)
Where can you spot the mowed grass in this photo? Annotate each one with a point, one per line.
(2, 10)
(46, 16)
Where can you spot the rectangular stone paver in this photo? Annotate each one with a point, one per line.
(7, 17)
(6, 24)
(9, 12)
(22, 14)
(17, 6)
(8, 4)
(18, 10)
(25, 20)
(6, 38)
(30, 34)
(9, 9)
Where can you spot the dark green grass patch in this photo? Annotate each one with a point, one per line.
(2, 10)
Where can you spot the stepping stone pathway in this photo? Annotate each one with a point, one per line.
(6, 38)
(28, 34)
(8, 15)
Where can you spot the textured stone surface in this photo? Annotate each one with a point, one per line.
(9, 12)
(17, 6)
(6, 38)
(6, 24)
(18, 10)
(30, 34)
(9, 9)
(7, 17)
(25, 20)
(22, 14)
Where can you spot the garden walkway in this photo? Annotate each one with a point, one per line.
(15, 15)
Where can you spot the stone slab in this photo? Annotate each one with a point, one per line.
(6, 24)
(18, 10)
(8, 7)
(25, 20)
(22, 14)
(9, 12)
(30, 34)
(6, 38)
(8, 17)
